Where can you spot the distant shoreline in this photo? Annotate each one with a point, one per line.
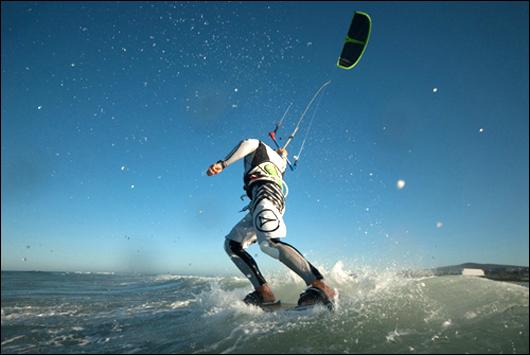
(495, 272)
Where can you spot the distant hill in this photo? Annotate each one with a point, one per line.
(491, 271)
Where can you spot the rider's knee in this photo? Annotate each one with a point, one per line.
(232, 247)
(270, 248)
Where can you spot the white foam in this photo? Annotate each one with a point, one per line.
(171, 277)
(7, 341)
(447, 323)
(339, 275)
(20, 313)
(181, 304)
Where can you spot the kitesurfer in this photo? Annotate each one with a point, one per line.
(264, 169)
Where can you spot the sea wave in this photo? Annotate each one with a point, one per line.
(378, 311)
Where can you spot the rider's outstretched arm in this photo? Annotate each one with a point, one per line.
(244, 148)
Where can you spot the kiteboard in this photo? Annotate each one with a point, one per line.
(293, 307)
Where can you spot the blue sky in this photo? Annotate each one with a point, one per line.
(111, 113)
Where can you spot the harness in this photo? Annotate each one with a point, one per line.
(264, 181)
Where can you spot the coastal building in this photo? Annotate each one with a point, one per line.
(473, 272)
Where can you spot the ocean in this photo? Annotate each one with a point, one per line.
(378, 312)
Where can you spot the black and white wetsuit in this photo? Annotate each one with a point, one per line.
(263, 179)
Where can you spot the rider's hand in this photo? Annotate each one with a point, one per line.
(214, 169)
(282, 152)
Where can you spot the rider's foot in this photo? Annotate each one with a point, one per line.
(318, 293)
(262, 296)
(266, 293)
(330, 292)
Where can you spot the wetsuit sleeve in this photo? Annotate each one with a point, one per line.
(244, 148)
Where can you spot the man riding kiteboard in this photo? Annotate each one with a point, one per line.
(264, 169)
